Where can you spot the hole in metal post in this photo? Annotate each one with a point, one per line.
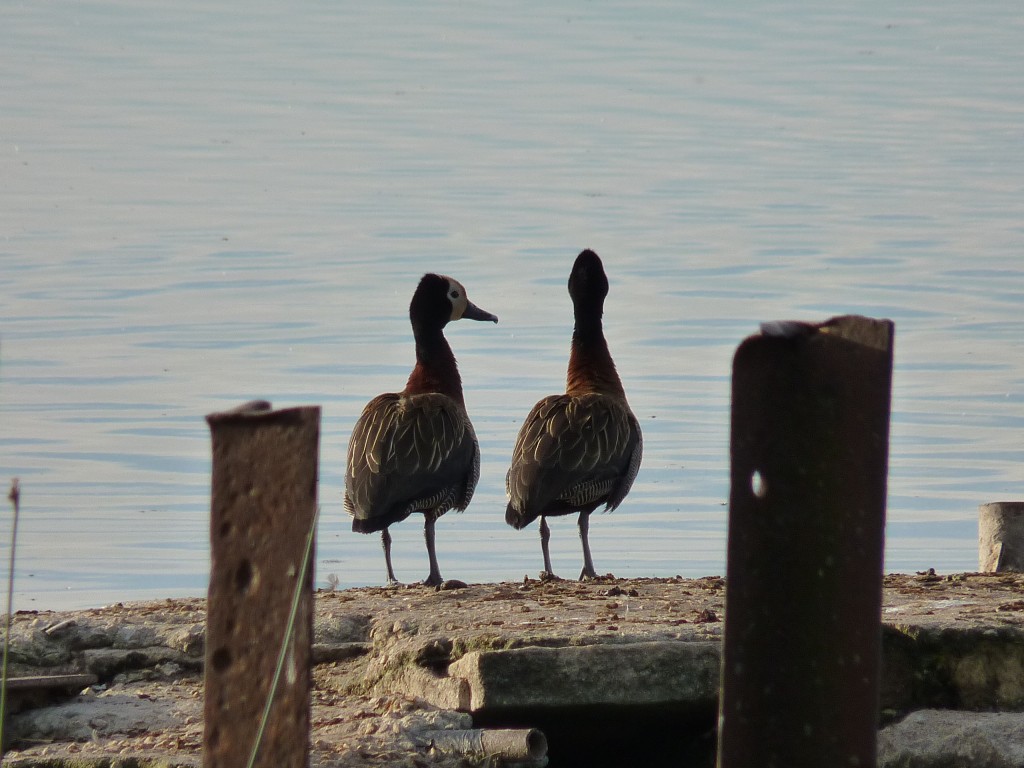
(758, 485)
(243, 576)
(221, 659)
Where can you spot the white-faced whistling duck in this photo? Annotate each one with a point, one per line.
(415, 450)
(582, 449)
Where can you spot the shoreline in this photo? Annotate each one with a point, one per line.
(390, 664)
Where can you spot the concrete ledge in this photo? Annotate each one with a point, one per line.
(948, 739)
(579, 661)
(621, 674)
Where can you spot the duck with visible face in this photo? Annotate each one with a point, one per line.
(415, 450)
(582, 449)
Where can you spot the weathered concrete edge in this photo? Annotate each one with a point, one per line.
(975, 669)
(134, 760)
(979, 669)
(628, 674)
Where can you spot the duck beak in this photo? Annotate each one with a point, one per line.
(473, 312)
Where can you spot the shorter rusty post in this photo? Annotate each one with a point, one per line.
(809, 458)
(262, 536)
(1001, 536)
(14, 496)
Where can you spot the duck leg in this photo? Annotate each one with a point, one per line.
(588, 571)
(545, 536)
(385, 540)
(434, 577)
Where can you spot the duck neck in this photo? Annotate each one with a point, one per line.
(591, 368)
(436, 369)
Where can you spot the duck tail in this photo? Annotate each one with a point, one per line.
(517, 519)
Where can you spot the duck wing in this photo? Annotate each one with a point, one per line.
(407, 454)
(573, 453)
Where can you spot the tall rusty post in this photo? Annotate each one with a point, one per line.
(809, 453)
(263, 512)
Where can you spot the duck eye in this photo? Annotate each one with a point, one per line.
(454, 294)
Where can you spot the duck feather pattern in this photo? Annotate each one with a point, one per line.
(573, 452)
(409, 453)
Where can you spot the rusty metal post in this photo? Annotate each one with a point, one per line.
(809, 453)
(263, 513)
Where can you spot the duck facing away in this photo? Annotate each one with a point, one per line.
(415, 450)
(582, 449)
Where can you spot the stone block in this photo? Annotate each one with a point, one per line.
(625, 674)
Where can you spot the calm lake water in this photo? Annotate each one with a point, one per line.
(204, 203)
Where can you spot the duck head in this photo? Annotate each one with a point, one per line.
(588, 284)
(439, 299)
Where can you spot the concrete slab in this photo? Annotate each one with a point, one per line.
(951, 640)
(620, 674)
